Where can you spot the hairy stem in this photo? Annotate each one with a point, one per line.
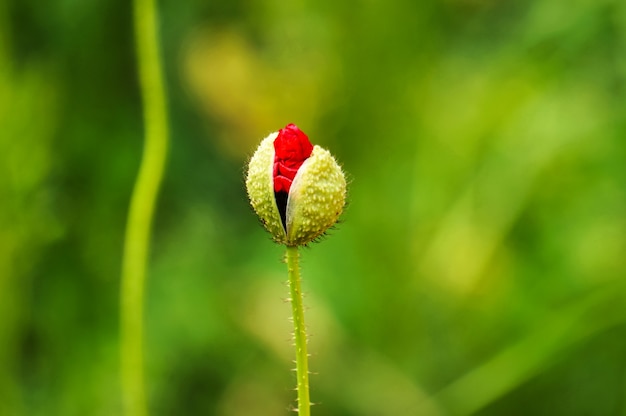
(302, 357)
(142, 205)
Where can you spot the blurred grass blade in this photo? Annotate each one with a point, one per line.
(534, 354)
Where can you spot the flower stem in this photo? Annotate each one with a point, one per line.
(302, 357)
(141, 210)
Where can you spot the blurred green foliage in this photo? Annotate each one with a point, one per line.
(479, 268)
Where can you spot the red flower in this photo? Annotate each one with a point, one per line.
(291, 148)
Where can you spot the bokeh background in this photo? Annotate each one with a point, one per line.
(479, 267)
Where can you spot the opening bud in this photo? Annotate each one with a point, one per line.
(297, 189)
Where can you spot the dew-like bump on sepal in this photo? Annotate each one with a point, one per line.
(315, 201)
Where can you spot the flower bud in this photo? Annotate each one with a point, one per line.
(297, 189)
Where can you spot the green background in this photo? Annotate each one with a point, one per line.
(478, 268)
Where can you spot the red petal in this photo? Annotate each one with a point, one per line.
(291, 147)
(282, 184)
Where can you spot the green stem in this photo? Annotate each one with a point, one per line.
(302, 357)
(142, 205)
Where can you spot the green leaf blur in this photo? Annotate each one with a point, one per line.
(479, 268)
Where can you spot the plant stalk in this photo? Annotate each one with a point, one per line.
(300, 337)
(142, 207)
